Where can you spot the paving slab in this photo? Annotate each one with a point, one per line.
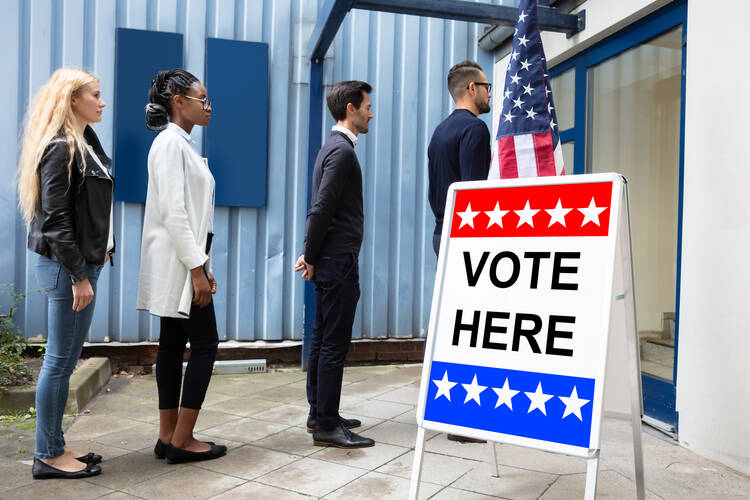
(364, 458)
(519, 484)
(257, 491)
(312, 477)
(377, 485)
(456, 494)
(610, 486)
(245, 430)
(293, 440)
(397, 433)
(377, 409)
(436, 469)
(55, 488)
(128, 470)
(242, 407)
(248, 462)
(188, 482)
(91, 427)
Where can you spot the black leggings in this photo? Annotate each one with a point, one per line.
(200, 331)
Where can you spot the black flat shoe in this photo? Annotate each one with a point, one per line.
(178, 455)
(349, 423)
(340, 437)
(40, 470)
(90, 458)
(160, 449)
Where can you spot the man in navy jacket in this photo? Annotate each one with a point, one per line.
(333, 237)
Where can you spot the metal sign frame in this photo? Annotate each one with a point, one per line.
(619, 282)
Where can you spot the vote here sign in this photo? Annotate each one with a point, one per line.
(517, 341)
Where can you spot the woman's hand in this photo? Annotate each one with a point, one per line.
(83, 294)
(201, 287)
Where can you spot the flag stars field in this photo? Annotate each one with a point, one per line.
(538, 399)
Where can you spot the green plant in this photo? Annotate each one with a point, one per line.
(13, 371)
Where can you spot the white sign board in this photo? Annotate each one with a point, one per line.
(517, 341)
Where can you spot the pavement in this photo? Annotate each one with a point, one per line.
(261, 418)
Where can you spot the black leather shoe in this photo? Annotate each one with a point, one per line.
(160, 449)
(40, 470)
(340, 437)
(178, 455)
(349, 423)
(90, 458)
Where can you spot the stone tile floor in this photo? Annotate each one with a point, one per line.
(261, 417)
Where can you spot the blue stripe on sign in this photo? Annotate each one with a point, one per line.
(524, 414)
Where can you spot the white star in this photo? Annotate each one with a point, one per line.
(526, 215)
(525, 64)
(473, 391)
(573, 404)
(496, 216)
(504, 395)
(444, 387)
(527, 89)
(507, 94)
(514, 79)
(591, 213)
(538, 399)
(547, 90)
(557, 214)
(467, 217)
(522, 17)
(549, 107)
(515, 32)
(509, 117)
(523, 40)
(517, 103)
(514, 55)
(531, 113)
(552, 123)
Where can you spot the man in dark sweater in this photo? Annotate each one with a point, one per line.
(460, 146)
(333, 237)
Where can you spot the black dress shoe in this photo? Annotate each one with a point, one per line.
(90, 458)
(40, 470)
(340, 437)
(464, 439)
(178, 455)
(160, 449)
(349, 423)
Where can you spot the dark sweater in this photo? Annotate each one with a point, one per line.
(335, 219)
(459, 151)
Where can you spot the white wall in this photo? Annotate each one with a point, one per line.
(713, 378)
(713, 375)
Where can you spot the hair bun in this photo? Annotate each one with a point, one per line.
(156, 116)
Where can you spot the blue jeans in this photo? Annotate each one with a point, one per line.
(66, 331)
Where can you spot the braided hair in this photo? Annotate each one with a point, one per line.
(164, 86)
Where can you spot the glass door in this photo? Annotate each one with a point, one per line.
(623, 101)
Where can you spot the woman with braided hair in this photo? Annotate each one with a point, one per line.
(176, 283)
(65, 196)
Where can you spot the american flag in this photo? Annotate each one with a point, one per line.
(528, 139)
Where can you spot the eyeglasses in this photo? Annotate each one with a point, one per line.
(206, 101)
(484, 84)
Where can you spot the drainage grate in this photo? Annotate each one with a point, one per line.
(232, 367)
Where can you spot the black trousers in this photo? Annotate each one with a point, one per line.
(336, 295)
(200, 331)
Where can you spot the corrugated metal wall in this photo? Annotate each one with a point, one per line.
(406, 60)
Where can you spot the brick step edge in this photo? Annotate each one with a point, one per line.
(139, 357)
(85, 382)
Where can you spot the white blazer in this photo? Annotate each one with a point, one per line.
(179, 206)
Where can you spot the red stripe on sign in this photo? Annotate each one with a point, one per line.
(545, 154)
(506, 150)
(569, 210)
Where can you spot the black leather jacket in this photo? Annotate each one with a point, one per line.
(71, 224)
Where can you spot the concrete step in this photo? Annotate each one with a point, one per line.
(656, 369)
(658, 351)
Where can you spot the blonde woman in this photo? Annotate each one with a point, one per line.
(175, 279)
(65, 195)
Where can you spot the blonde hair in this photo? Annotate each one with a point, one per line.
(48, 115)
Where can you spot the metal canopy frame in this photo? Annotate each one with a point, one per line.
(331, 17)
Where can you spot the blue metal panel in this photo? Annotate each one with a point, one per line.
(135, 65)
(259, 297)
(236, 143)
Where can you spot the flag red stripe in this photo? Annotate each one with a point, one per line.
(545, 154)
(506, 150)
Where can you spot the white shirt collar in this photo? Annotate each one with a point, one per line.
(352, 137)
(182, 133)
